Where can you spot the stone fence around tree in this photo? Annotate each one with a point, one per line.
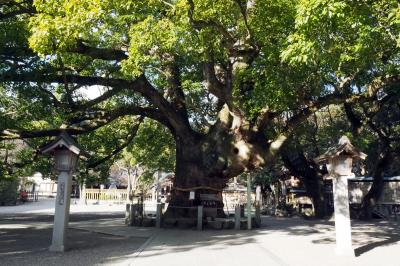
(359, 187)
(230, 199)
(388, 205)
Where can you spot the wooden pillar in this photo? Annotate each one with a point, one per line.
(200, 217)
(237, 217)
(248, 202)
(158, 215)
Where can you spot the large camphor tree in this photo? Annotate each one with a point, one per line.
(230, 80)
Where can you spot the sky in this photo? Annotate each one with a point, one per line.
(91, 92)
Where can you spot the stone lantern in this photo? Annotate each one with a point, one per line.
(339, 161)
(66, 153)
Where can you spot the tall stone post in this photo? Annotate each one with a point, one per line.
(66, 153)
(128, 187)
(339, 160)
(82, 195)
(200, 217)
(257, 219)
(248, 205)
(61, 215)
(342, 216)
(158, 215)
(237, 217)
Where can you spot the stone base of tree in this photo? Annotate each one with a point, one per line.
(216, 224)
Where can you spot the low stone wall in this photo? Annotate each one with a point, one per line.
(390, 194)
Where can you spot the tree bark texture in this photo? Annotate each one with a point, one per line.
(375, 192)
(310, 175)
(205, 163)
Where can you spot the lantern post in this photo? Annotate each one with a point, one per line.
(66, 153)
(339, 161)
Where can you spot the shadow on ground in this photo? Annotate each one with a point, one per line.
(19, 247)
(24, 240)
(380, 240)
(365, 235)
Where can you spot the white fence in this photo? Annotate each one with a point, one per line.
(114, 195)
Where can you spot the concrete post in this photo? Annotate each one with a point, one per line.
(237, 217)
(129, 187)
(258, 207)
(339, 160)
(342, 216)
(258, 216)
(158, 215)
(128, 214)
(82, 196)
(158, 186)
(248, 202)
(200, 217)
(61, 215)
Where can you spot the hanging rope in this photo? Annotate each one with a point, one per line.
(195, 188)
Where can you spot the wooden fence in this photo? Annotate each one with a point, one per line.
(116, 195)
(230, 200)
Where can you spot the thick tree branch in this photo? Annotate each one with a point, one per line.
(339, 98)
(174, 89)
(84, 123)
(118, 149)
(15, 53)
(335, 98)
(98, 53)
(141, 85)
(354, 119)
(264, 119)
(25, 7)
(243, 10)
(44, 76)
(213, 85)
(200, 24)
(314, 106)
(86, 118)
(106, 95)
(54, 99)
(303, 114)
(375, 192)
(12, 14)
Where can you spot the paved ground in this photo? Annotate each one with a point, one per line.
(279, 242)
(97, 236)
(46, 206)
(25, 235)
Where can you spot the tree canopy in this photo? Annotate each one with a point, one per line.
(230, 79)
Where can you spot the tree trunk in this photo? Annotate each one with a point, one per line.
(308, 172)
(375, 192)
(193, 175)
(205, 163)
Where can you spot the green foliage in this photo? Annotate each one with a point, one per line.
(8, 191)
(343, 36)
(153, 148)
(264, 177)
(304, 50)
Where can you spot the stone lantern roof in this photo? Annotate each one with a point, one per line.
(344, 147)
(64, 140)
